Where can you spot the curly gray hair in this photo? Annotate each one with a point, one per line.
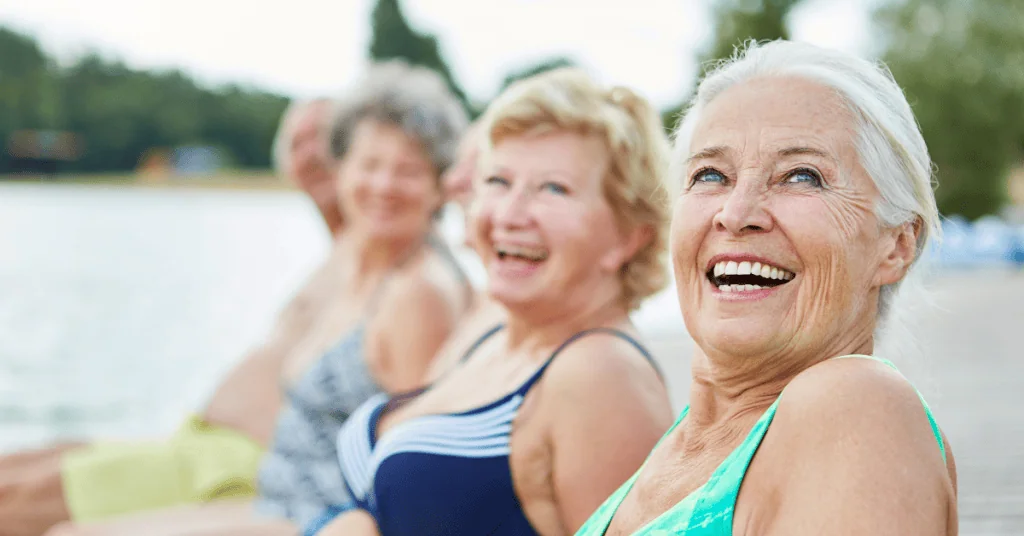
(415, 99)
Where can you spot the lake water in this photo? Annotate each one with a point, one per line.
(121, 307)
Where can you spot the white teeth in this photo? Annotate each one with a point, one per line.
(530, 254)
(766, 271)
(725, 288)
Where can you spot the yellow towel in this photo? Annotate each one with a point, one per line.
(200, 463)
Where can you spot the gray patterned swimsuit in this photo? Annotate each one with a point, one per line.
(300, 476)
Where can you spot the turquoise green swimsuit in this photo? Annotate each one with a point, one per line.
(708, 510)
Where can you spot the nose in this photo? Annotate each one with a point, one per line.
(385, 182)
(743, 211)
(512, 211)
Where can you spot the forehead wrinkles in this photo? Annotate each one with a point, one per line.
(766, 111)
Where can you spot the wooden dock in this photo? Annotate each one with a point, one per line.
(967, 358)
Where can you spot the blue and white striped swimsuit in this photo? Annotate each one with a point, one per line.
(446, 474)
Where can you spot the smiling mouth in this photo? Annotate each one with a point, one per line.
(732, 276)
(521, 253)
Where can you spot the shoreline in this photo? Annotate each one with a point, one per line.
(228, 180)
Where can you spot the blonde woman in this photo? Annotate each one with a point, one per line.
(548, 412)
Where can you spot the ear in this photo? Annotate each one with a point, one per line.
(631, 242)
(898, 251)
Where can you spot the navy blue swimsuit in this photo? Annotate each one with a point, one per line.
(446, 474)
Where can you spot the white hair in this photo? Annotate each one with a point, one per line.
(280, 152)
(889, 141)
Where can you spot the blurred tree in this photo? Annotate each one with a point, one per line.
(121, 113)
(538, 68)
(394, 38)
(28, 88)
(961, 64)
(736, 21)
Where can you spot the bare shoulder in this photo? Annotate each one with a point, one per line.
(428, 283)
(852, 439)
(425, 285)
(856, 395)
(603, 367)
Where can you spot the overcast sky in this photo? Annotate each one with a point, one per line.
(310, 47)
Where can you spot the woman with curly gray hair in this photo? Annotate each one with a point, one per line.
(392, 293)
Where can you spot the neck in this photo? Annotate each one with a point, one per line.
(727, 387)
(371, 256)
(529, 331)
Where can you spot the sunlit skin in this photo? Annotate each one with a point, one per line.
(773, 176)
(540, 194)
(391, 188)
(781, 181)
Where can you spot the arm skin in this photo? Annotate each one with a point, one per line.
(608, 408)
(414, 319)
(859, 458)
(253, 387)
(351, 523)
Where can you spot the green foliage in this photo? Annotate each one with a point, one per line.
(533, 70)
(961, 64)
(736, 21)
(120, 113)
(394, 38)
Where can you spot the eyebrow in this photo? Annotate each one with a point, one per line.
(716, 151)
(719, 151)
(800, 151)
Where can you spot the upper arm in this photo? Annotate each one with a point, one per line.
(296, 317)
(414, 319)
(608, 409)
(855, 454)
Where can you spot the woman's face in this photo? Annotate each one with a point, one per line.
(386, 182)
(776, 247)
(542, 224)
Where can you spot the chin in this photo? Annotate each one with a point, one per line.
(737, 337)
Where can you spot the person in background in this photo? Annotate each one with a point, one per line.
(233, 518)
(345, 337)
(806, 200)
(300, 154)
(547, 412)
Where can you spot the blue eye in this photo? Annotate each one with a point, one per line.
(708, 175)
(804, 176)
(555, 188)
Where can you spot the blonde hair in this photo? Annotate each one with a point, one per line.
(566, 99)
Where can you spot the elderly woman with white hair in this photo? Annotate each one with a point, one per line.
(806, 199)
